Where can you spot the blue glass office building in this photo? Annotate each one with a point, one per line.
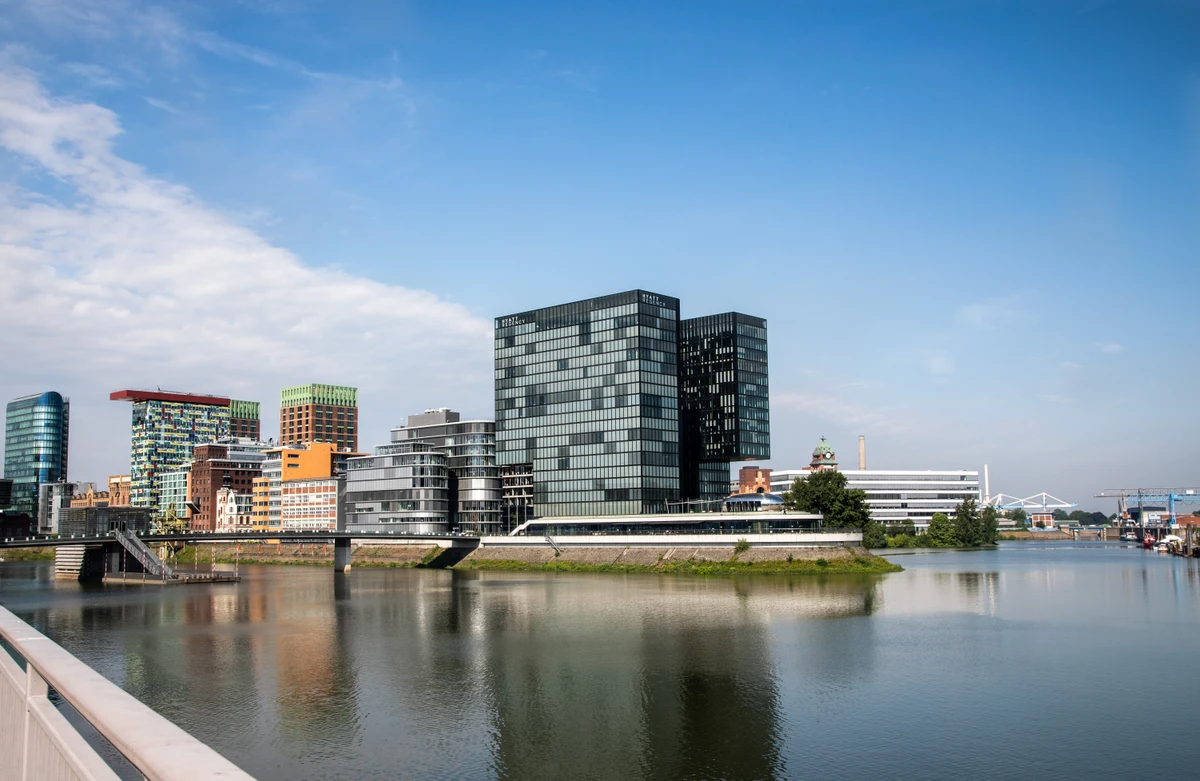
(589, 398)
(36, 431)
(587, 394)
(723, 400)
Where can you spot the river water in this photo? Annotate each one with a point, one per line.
(1035, 660)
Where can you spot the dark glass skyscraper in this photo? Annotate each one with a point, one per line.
(724, 411)
(616, 406)
(587, 393)
(36, 430)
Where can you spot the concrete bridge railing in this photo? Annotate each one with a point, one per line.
(37, 743)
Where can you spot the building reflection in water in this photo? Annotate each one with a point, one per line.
(644, 677)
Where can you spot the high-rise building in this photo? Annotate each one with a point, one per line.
(615, 406)
(470, 450)
(36, 431)
(244, 420)
(587, 393)
(166, 426)
(5, 493)
(319, 413)
(723, 400)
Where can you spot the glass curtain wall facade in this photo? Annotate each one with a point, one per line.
(724, 400)
(473, 476)
(588, 394)
(36, 430)
(402, 488)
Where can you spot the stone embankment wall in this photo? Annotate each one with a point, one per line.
(1022, 535)
(652, 557)
(309, 553)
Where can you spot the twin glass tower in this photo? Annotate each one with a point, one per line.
(618, 407)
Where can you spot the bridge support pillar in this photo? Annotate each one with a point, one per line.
(341, 554)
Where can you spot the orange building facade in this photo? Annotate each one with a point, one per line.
(754, 480)
(118, 491)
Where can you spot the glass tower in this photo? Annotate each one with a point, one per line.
(36, 431)
(724, 409)
(587, 395)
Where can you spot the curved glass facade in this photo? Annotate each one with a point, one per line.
(36, 431)
(404, 487)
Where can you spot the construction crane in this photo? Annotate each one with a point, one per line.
(1154, 496)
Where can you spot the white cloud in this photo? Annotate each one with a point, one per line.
(125, 279)
(1111, 348)
(836, 410)
(163, 105)
(1072, 366)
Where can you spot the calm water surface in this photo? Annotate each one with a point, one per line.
(1035, 660)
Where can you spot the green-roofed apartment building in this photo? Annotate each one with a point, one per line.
(244, 419)
(319, 413)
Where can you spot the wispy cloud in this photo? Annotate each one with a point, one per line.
(1111, 348)
(163, 105)
(133, 279)
(837, 410)
(990, 313)
(1071, 366)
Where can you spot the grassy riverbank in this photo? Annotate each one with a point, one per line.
(868, 564)
(27, 554)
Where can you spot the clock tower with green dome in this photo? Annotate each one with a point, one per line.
(823, 459)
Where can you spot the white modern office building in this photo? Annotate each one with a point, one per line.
(900, 496)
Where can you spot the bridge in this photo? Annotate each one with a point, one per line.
(128, 552)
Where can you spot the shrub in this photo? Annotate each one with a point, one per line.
(822, 562)
(741, 547)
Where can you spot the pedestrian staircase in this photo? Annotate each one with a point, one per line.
(151, 563)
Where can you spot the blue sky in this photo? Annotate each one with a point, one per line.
(972, 227)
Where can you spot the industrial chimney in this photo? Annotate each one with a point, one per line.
(862, 452)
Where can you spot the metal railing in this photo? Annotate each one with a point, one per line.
(37, 743)
(150, 562)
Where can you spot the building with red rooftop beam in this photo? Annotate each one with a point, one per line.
(166, 426)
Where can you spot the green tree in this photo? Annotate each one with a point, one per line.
(989, 526)
(967, 523)
(941, 532)
(1019, 517)
(1059, 516)
(826, 494)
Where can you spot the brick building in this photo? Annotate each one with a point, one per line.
(118, 491)
(319, 413)
(214, 467)
(244, 419)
